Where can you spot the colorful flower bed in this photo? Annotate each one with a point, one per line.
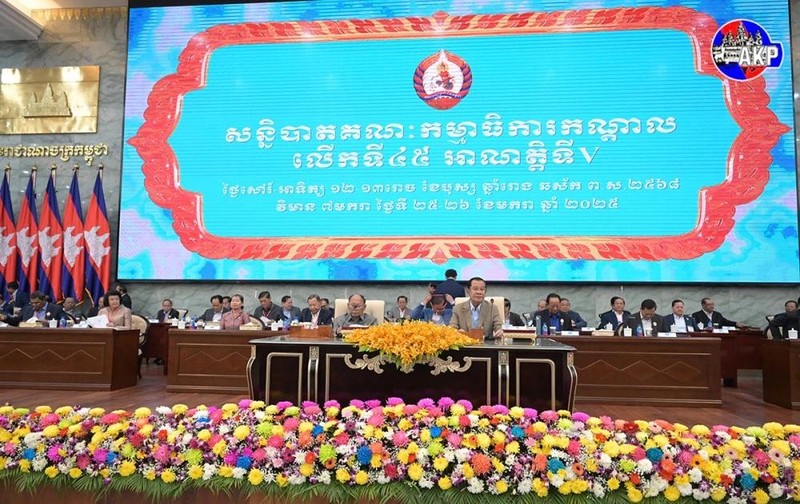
(432, 451)
(408, 343)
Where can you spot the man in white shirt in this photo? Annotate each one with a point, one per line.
(677, 321)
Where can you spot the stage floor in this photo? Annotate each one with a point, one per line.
(741, 406)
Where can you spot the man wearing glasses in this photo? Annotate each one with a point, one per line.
(355, 315)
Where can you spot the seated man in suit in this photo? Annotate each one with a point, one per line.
(214, 314)
(438, 313)
(356, 304)
(575, 317)
(268, 311)
(781, 323)
(541, 304)
(683, 323)
(167, 312)
(510, 318)
(289, 312)
(552, 319)
(71, 309)
(401, 311)
(707, 318)
(38, 308)
(126, 298)
(15, 299)
(315, 313)
(477, 313)
(616, 316)
(644, 323)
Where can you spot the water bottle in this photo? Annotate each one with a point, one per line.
(544, 330)
(538, 324)
(286, 324)
(710, 325)
(193, 323)
(62, 322)
(639, 331)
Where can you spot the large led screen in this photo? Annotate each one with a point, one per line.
(518, 141)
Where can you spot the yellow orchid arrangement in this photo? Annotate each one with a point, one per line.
(409, 342)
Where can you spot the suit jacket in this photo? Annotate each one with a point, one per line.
(669, 320)
(325, 316)
(515, 320)
(274, 313)
(20, 299)
(782, 322)
(163, 316)
(610, 317)
(208, 315)
(544, 315)
(294, 313)
(576, 319)
(426, 314)
(126, 301)
(54, 311)
(717, 320)
(635, 321)
(489, 321)
(451, 287)
(394, 313)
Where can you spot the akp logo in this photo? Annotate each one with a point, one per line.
(742, 50)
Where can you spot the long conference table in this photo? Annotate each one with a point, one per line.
(68, 358)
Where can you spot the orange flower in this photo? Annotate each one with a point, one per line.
(481, 463)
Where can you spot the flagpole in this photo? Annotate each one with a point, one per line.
(53, 169)
(8, 172)
(100, 170)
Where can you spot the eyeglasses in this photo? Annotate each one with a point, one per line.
(355, 306)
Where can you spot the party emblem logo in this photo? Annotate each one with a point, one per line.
(442, 80)
(742, 50)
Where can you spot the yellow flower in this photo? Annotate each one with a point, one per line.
(51, 471)
(255, 477)
(512, 447)
(51, 431)
(467, 470)
(782, 446)
(634, 494)
(700, 430)
(672, 493)
(415, 472)
(445, 483)
(204, 435)
(281, 480)
(540, 487)
(25, 466)
(718, 494)
(760, 496)
(75, 473)
(180, 409)
(141, 412)
(484, 441)
(613, 483)
(219, 448)
(150, 475)
(362, 478)
(501, 486)
(168, 476)
(306, 470)
(43, 410)
(342, 475)
(241, 432)
(195, 472)
(498, 437)
(127, 468)
(611, 448)
(226, 471)
(440, 464)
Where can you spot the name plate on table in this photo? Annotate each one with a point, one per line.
(603, 332)
(320, 332)
(476, 334)
(252, 326)
(723, 330)
(520, 333)
(570, 333)
(668, 335)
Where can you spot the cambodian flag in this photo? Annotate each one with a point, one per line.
(50, 243)
(74, 268)
(8, 237)
(98, 243)
(28, 239)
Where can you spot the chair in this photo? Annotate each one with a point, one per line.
(141, 324)
(182, 312)
(528, 316)
(375, 307)
(498, 300)
(256, 320)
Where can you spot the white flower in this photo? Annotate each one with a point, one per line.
(269, 477)
(524, 486)
(239, 473)
(736, 500)
(223, 429)
(695, 475)
(684, 488)
(381, 479)
(703, 454)
(598, 490)
(325, 478)
(644, 466)
(511, 459)
(475, 486)
(260, 415)
(342, 449)
(449, 454)
(559, 454)
(300, 457)
(775, 490)
(748, 440)
(296, 479)
(83, 411)
(605, 460)
(426, 483)
(620, 437)
(39, 463)
(699, 495)
(473, 418)
(163, 410)
(32, 439)
(556, 481)
(209, 470)
(463, 454)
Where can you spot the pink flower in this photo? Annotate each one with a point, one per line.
(100, 455)
(464, 421)
(760, 458)
(311, 408)
(49, 419)
(375, 420)
(499, 409)
(216, 438)
(275, 441)
(230, 459)
(82, 462)
(162, 454)
(410, 409)
(373, 403)
(357, 404)
(290, 424)
(530, 413)
(466, 404)
(282, 405)
(332, 404)
(454, 440)
(574, 447)
(109, 418)
(446, 402)
(685, 457)
(580, 417)
(394, 401)
(549, 415)
(486, 410)
(245, 403)
(638, 453)
(426, 403)
(52, 454)
(399, 438)
(259, 454)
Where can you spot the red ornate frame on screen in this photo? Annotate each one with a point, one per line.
(747, 166)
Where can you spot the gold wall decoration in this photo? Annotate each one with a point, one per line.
(62, 152)
(49, 100)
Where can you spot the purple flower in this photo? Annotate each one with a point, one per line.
(373, 403)
(466, 404)
(579, 416)
(357, 404)
(282, 405)
(100, 455)
(332, 404)
(52, 454)
(230, 458)
(245, 403)
(426, 403)
(530, 413)
(394, 401)
(499, 409)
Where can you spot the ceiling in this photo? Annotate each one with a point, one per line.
(17, 24)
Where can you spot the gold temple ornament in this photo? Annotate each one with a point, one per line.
(49, 100)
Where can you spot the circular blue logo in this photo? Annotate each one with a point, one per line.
(742, 50)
